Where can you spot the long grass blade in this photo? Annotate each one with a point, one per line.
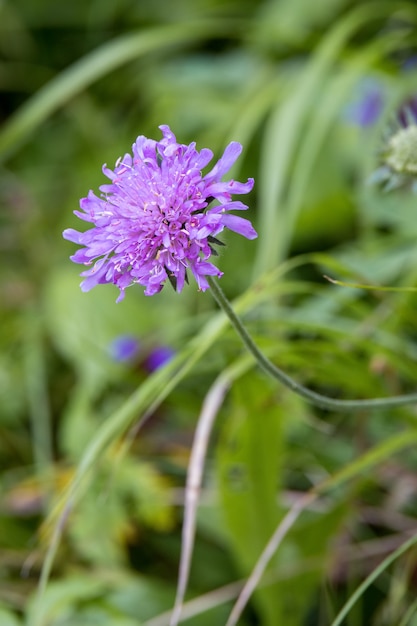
(94, 66)
(373, 576)
(371, 458)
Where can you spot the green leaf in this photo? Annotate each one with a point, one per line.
(249, 469)
(7, 618)
(61, 598)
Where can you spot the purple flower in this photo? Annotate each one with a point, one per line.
(124, 348)
(158, 357)
(366, 109)
(153, 221)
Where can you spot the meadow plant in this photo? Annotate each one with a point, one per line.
(161, 217)
(278, 464)
(154, 221)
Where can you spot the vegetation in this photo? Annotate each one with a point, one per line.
(95, 444)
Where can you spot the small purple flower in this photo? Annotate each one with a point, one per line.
(366, 109)
(153, 221)
(124, 348)
(158, 357)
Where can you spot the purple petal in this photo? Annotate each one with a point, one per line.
(224, 164)
(233, 206)
(92, 281)
(204, 158)
(229, 187)
(240, 225)
(72, 235)
(180, 278)
(80, 257)
(202, 269)
(167, 133)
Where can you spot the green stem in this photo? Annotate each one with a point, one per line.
(315, 398)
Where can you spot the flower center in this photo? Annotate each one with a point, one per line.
(402, 151)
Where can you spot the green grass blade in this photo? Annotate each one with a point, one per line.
(284, 130)
(95, 65)
(148, 396)
(373, 576)
(374, 456)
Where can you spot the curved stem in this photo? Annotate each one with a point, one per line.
(313, 397)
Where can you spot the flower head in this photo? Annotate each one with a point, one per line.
(158, 357)
(124, 348)
(153, 221)
(399, 153)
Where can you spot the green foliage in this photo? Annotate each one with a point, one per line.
(91, 503)
(249, 464)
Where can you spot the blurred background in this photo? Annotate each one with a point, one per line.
(313, 91)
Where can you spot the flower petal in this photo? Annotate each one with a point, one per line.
(239, 225)
(224, 164)
(230, 187)
(72, 235)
